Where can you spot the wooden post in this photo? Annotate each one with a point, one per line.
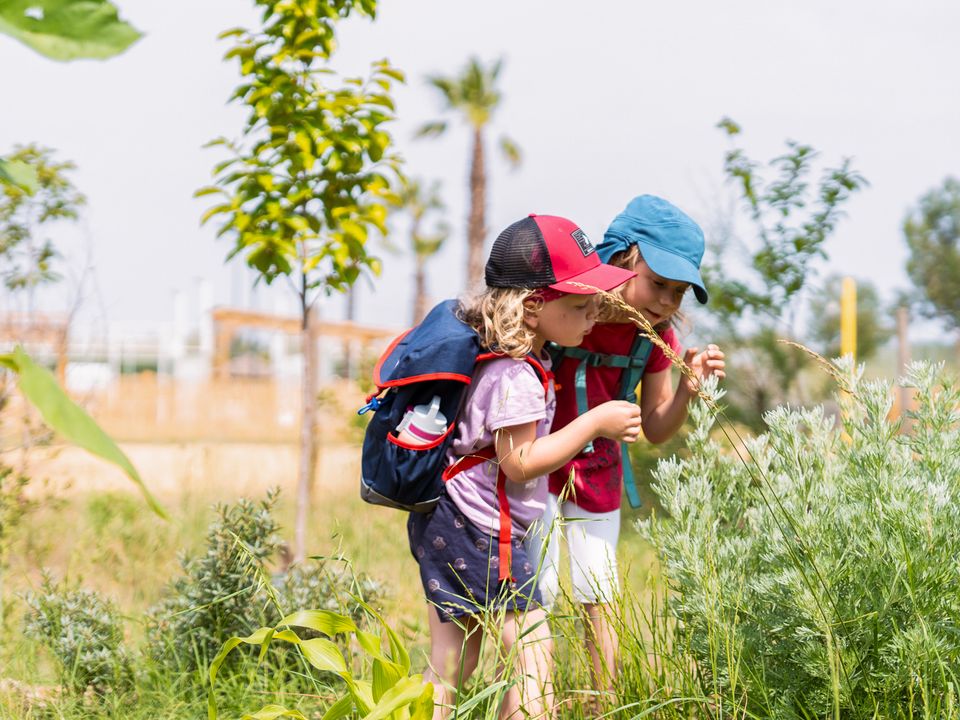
(903, 359)
(848, 318)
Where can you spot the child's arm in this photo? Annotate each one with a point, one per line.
(523, 456)
(664, 410)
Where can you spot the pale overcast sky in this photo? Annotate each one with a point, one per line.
(608, 100)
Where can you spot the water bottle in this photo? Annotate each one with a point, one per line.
(422, 424)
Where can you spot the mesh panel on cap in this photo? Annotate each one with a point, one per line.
(519, 258)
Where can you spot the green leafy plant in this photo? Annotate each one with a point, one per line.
(817, 577)
(310, 178)
(84, 632)
(218, 594)
(68, 419)
(754, 299)
(67, 29)
(229, 587)
(932, 231)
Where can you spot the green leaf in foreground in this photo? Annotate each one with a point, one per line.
(23, 175)
(67, 29)
(69, 419)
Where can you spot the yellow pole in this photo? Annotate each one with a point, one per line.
(848, 318)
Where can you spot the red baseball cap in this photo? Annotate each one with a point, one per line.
(550, 251)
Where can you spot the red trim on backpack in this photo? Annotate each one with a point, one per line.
(465, 379)
(421, 446)
(386, 353)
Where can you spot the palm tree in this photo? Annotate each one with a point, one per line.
(419, 202)
(473, 94)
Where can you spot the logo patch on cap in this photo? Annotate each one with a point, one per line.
(583, 242)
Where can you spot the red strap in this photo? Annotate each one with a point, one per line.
(504, 536)
(506, 553)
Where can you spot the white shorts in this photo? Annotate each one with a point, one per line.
(592, 545)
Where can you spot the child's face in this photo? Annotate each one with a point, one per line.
(564, 321)
(653, 296)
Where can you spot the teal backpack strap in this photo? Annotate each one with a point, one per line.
(633, 373)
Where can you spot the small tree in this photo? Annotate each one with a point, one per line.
(419, 202)
(310, 176)
(932, 230)
(26, 253)
(790, 219)
(474, 95)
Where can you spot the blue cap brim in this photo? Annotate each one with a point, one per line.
(673, 267)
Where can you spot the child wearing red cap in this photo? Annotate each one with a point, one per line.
(664, 247)
(501, 455)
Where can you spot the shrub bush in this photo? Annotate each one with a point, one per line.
(84, 632)
(820, 575)
(228, 590)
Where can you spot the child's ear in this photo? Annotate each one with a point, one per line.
(531, 317)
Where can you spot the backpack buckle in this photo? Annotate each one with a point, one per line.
(373, 403)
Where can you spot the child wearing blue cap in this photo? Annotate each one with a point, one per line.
(664, 247)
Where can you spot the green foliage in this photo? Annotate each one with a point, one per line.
(932, 231)
(310, 178)
(67, 29)
(13, 507)
(84, 633)
(228, 588)
(18, 174)
(391, 692)
(25, 212)
(70, 420)
(790, 218)
(218, 594)
(816, 577)
(874, 320)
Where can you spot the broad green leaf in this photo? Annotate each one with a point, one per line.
(324, 655)
(70, 420)
(67, 29)
(21, 174)
(422, 707)
(340, 709)
(323, 621)
(271, 712)
(405, 692)
(386, 674)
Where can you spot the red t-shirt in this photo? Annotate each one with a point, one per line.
(597, 477)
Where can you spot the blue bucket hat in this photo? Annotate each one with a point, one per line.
(670, 242)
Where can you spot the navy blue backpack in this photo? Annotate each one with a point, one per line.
(436, 358)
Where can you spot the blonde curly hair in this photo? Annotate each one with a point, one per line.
(498, 315)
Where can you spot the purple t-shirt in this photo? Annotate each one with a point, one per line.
(504, 393)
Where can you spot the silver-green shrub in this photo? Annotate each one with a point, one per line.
(84, 632)
(815, 569)
(230, 588)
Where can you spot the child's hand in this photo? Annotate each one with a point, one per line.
(704, 364)
(618, 420)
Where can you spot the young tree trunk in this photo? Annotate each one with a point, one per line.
(476, 228)
(308, 434)
(419, 289)
(348, 359)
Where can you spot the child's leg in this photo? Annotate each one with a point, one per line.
(526, 641)
(543, 549)
(603, 643)
(592, 543)
(454, 651)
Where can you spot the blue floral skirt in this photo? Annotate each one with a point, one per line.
(460, 565)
